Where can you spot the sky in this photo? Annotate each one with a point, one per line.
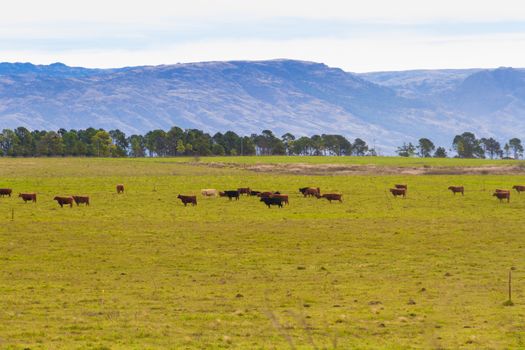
(357, 36)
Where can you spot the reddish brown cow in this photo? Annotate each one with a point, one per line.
(501, 195)
(81, 200)
(283, 197)
(398, 192)
(244, 190)
(5, 192)
(120, 188)
(64, 201)
(519, 188)
(457, 189)
(187, 199)
(311, 192)
(26, 197)
(331, 197)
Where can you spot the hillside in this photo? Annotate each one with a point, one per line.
(385, 108)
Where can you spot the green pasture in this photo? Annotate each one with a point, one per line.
(141, 271)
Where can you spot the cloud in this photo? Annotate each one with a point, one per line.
(357, 36)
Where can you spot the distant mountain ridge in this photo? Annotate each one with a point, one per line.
(384, 108)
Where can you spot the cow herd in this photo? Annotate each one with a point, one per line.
(267, 197)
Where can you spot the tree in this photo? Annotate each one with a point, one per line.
(288, 140)
(407, 150)
(359, 147)
(180, 147)
(120, 141)
(440, 153)
(218, 150)
(467, 146)
(102, 143)
(137, 146)
(491, 147)
(425, 148)
(516, 147)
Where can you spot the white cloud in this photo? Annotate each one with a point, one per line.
(117, 33)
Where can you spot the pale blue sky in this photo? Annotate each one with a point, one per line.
(354, 35)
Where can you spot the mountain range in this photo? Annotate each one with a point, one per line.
(304, 98)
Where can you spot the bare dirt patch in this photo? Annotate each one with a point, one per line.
(338, 169)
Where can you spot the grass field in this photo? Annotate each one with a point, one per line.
(141, 271)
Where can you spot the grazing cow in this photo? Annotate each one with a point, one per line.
(399, 192)
(26, 197)
(120, 188)
(331, 197)
(5, 192)
(209, 192)
(457, 189)
(309, 191)
(401, 186)
(517, 188)
(81, 200)
(501, 195)
(230, 194)
(272, 201)
(254, 193)
(283, 197)
(188, 199)
(64, 200)
(244, 190)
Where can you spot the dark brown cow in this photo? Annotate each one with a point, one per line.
(120, 188)
(64, 201)
(398, 192)
(501, 195)
(5, 192)
(283, 197)
(187, 199)
(457, 189)
(331, 197)
(308, 189)
(311, 192)
(244, 190)
(81, 200)
(254, 193)
(401, 186)
(230, 194)
(519, 188)
(26, 197)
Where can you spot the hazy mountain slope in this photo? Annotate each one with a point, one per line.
(385, 108)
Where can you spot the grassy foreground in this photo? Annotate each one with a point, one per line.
(140, 271)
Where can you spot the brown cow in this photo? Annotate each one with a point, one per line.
(283, 197)
(516, 187)
(244, 190)
(399, 192)
(5, 192)
(81, 200)
(64, 200)
(401, 186)
(501, 195)
(457, 189)
(331, 197)
(187, 199)
(120, 188)
(311, 192)
(26, 197)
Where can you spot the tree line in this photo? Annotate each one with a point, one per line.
(91, 142)
(465, 145)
